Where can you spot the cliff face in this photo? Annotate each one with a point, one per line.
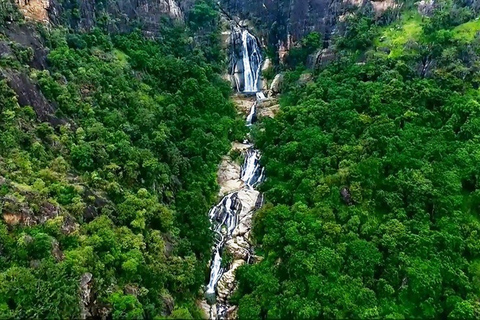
(121, 15)
(281, 22)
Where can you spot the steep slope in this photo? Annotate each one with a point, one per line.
(108, 153)
(372, 185)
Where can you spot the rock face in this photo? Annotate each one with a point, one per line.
(36, 10)
(29, 94)
(121, 15)
(283, 22)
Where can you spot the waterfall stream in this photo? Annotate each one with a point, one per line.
(232, 215)
(252, 60)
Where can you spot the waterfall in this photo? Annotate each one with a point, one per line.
(216, 272)
(252, 115)
(225, 216)
(252, 172)
(252, 62)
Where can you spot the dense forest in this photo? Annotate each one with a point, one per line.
(110, 144)
(372, 171)
(109, 193)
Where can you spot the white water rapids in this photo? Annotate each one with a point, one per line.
(231, 217)
(225, 215)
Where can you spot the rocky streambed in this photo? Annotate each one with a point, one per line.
(232, 217)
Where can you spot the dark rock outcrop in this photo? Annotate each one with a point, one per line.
(85, 295)
(29, 94)
(280, 19)
(26, 36)
(117, 16)
(282, 23)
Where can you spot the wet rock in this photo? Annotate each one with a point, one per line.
(267, 63)
(238, 247)
(263, 84)
(243, 103)
(259, 201)
(248, 199)
(243, 227)
(208, 309)
(227, 177)
(269, 112)
(227, 283)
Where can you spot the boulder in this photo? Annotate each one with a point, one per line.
(267, 63)
(276, 86)
(238, 247)
(227, 283)
(56, 252)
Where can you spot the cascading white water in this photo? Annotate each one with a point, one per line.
(252, 62)
(224, 216)
(216, 272)
(252, 172)
(252, 115)
(224, 220)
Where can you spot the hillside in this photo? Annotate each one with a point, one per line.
(108, 153)
(137, 182)
(372, 193)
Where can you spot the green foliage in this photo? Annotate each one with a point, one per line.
(119, 187)
(359, 34)
(467, 31)
(397, 35)
(8, 12)
(400, 132)
(309, 44)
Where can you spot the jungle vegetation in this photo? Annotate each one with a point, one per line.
(117, 183)
(395, 121)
